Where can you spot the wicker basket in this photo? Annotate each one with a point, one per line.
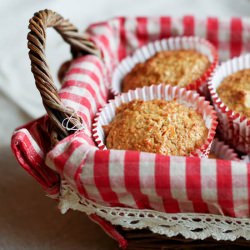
(132, 237)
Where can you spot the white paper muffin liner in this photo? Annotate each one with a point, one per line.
(174, 43)
(223, 151)
(245, 158)
(233, 127)
(164, 92)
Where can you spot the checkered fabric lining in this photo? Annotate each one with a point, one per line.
(127, 178)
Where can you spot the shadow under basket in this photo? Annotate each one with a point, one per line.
(145, 239)
(58, 150)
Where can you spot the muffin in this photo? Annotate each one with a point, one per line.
(157, 126)
(160, 119)
(178, 61)
(177, 67)
(234, 91)
(229, 89)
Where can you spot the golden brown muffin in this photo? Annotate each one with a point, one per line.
(177, 67)
(157, 126)
(234, 91)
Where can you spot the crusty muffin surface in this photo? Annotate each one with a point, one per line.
(158, 126)
(234, 92)
(177, 67)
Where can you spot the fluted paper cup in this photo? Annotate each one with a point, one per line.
(163, 92)
(220, 150)
(175, 43)
(233, 127)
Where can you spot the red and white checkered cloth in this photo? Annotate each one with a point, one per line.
(126, 178)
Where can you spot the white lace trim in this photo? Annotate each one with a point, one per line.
(194, 226)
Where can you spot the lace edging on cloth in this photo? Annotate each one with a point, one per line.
(194, 226)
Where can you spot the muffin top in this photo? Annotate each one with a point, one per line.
(158, 126)
(176, 67)
(234, 91)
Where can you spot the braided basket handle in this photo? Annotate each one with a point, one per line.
(80, 45)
